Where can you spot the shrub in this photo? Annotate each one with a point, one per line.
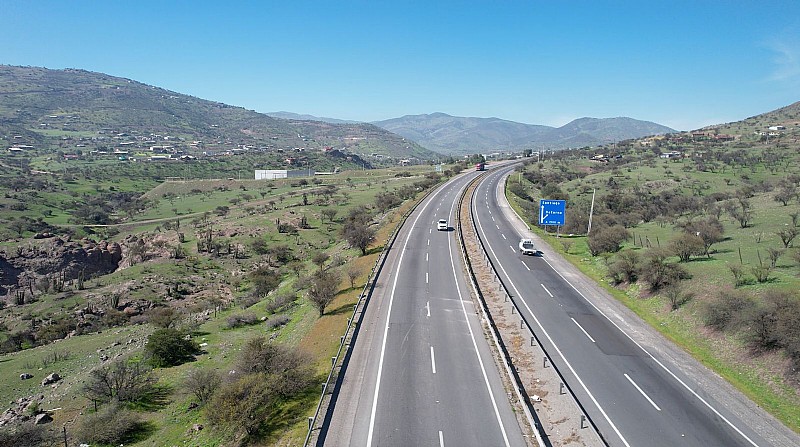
(267, 374)
(243, 404)
(168, 347)
(606, 239)
(123, 381)
(727, 310)
(281, 301)
(277, 321)
(111, 425)
(241, 320)
(202, 382)
(24, 435)
(660, 273)
(162, 317)
(260, 356)
(625, 268)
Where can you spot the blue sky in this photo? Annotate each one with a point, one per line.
(682, 64)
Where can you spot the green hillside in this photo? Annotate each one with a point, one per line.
(71, 110)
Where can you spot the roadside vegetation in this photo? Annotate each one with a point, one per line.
(702, 245)
(219, 318)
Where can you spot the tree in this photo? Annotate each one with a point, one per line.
(709, 230)
(329, 213)
(685, 245)
(386, 201)
(787, 236)
(168, 347)
(353, 272)
(319, 258)
(358, 234)
(785, 194)
(741, 211)
(265, 280)
(323, 287)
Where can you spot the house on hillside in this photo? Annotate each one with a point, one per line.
(670, 155)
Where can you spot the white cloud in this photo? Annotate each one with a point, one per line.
(786, 59)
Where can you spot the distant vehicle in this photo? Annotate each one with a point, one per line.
(442, 225)
(526, 247)
(480, 166)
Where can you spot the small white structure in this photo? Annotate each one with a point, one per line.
(670, 154)
(272, 174)
(777, 127)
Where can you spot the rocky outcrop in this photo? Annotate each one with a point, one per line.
(57, 257)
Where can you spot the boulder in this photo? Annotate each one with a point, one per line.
(42, 418)
(52, 378)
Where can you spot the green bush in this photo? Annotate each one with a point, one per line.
(169, 347)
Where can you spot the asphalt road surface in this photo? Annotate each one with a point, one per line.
(421, 371)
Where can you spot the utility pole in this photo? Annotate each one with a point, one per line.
(591, 211)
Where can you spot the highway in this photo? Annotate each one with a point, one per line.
(421, 371)
(637, 392)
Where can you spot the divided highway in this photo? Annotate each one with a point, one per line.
(421, 371)
(636, 397)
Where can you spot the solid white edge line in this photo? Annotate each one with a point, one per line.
(433, 361)
(560, 354)
(474, 343)
(584, 331)
(388, 319)
(548, 292)
(641, 391)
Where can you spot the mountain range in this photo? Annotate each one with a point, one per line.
(452, 134)
(456, 135)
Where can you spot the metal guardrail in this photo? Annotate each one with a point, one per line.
(530, 412)
(363, 300)
(527, 325)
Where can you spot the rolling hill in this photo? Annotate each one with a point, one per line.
(40, 108)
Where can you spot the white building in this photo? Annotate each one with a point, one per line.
(272, 174)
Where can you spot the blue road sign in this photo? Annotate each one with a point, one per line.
(551, 212)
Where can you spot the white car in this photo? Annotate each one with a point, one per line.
(442, 225)
(526, 247)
